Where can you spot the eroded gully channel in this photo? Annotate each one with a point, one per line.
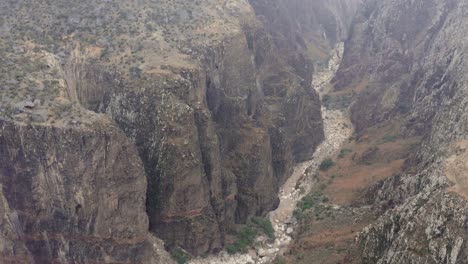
(338, 129)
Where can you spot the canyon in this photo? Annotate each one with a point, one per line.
(136, 130)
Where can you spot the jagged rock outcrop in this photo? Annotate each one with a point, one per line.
(412, 55)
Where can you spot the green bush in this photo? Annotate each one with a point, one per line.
(232, 249)
(245, 239)
(344, 152)
(326, 164)
(265, 225)
(246, 236)
(306, 203)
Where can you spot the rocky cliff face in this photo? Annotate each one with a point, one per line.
(313, 26)
(404, 50)
(187, 101)
(224, 134)
(72, 195)
(412, 56)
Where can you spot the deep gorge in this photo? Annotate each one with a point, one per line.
(132, 129)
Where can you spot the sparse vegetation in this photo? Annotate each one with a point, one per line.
(326, 164)
(265, 225)
(344, 152)
(308, 202)
(245, 238)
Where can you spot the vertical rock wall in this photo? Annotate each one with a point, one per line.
(71, 195)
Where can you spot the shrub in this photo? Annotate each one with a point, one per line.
(326, 164)
(265, 225)
(245, 239)
(344, 152)
(306, 203)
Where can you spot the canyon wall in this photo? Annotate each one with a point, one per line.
(410, 59)
(72, 195)
(182, 109)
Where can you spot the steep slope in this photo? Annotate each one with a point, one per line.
(410, 59)
(77, 196)
(73, 187)
(196, 88)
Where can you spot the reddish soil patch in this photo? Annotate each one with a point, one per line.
(329, 240)
(379, 153)
(331, 237)
(346, 189)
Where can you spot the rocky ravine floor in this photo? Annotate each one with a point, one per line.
(338, 129)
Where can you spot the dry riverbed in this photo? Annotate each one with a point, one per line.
(338, 129)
